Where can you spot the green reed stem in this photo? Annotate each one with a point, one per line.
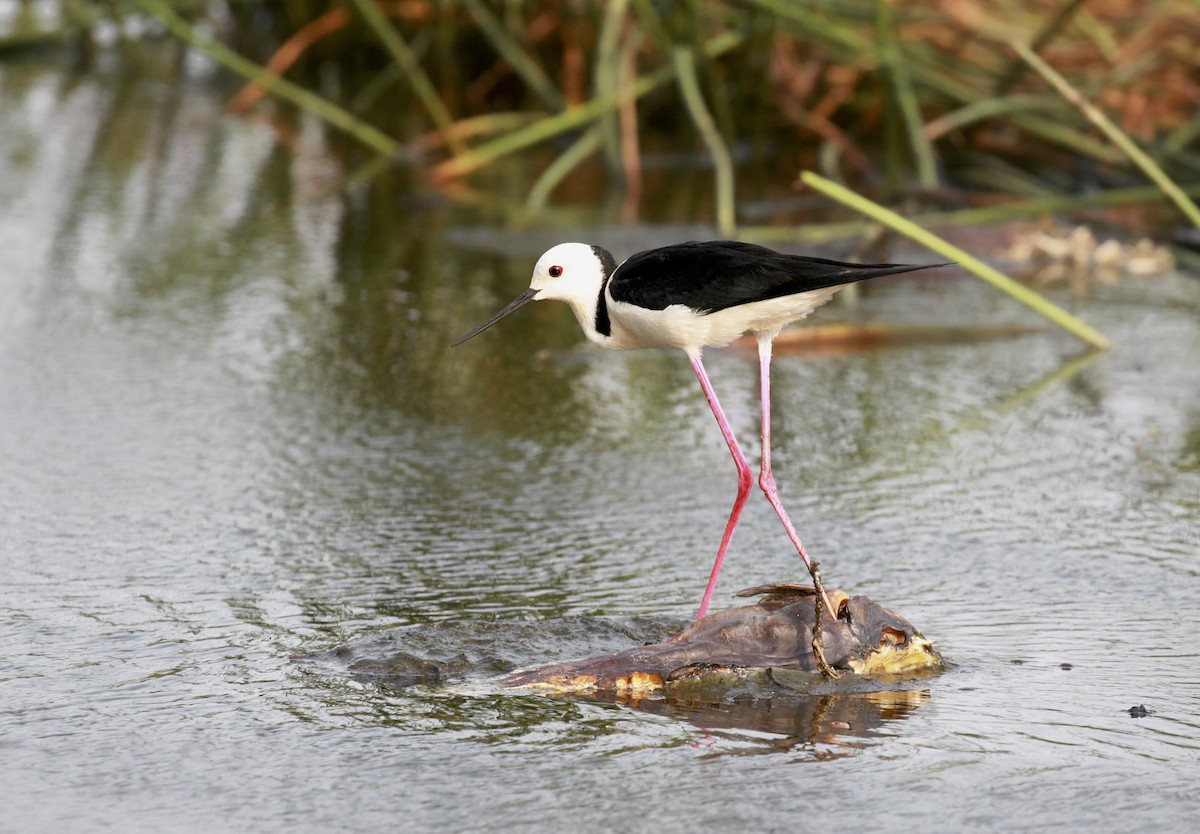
(607, 72)
(321, 108)
(407, 60)
(583, 147)
(1115, 135)
(651, 22)
(569, 119)
(960, 256)
(979, 216)
(988, 108)
(684, 61)
(906, 96)
(522, 64)
(1052, 28)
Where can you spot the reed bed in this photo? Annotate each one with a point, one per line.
(969, 100)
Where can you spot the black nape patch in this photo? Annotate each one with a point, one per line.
(609, 264)
(607, 261)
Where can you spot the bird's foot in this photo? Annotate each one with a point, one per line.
(820, 600)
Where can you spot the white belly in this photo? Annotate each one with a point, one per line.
(680, 327)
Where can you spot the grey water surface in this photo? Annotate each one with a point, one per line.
(233, 433)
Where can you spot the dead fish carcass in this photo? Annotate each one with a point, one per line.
(776, 633)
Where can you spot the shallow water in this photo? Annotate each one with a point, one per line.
(232, 432)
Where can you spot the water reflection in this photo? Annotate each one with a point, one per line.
(816, 727)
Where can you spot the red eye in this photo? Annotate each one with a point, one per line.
(555, 271)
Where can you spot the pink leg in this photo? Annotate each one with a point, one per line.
(766, 479)
(745, 480)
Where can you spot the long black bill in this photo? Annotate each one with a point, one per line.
(517, 303)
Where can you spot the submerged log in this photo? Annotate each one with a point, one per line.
(775, 633)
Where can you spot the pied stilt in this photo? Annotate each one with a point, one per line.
(691, 296)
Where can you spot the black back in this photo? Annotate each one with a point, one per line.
(713, 275)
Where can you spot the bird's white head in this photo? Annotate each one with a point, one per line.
(570, 272)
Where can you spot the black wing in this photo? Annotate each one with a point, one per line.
(713, 275)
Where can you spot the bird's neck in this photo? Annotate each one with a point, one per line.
(592, 310)
(592, 314)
